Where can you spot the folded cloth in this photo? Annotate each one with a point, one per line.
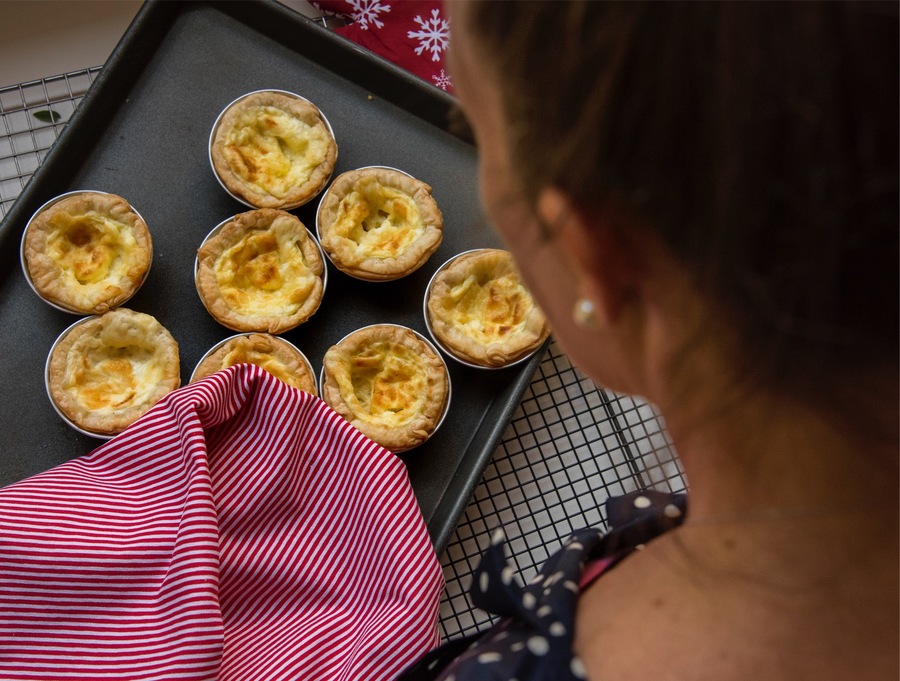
(239, 530)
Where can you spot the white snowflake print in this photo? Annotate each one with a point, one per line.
(366, 11)
(442, 80)
(434, 35)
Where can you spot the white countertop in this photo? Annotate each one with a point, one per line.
(43, 38)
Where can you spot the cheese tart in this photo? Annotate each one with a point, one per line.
(378, 223)
(277, 356)
(272, 149)
(261, 271)
(389, 382)
(104, 372)
(86, 252)
(478, 309)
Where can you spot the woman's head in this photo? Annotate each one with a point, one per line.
(758, 141)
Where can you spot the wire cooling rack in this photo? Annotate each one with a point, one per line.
(568, 446)
(32, 115)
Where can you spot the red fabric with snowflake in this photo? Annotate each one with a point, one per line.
(413, 34)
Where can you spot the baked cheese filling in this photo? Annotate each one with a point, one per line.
(273, 151)
(111, 375)
(90, 249)
(380, 221)
(385, 384)
(265, 273)
(262, 359)
(488, 309)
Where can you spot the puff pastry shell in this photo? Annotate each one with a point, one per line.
(389, 383)
(379, 224)
(262, 271)
(273, 150)
(88, 252)
(480, 311)
(271, 353)
(107, 371)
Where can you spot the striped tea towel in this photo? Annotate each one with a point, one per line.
(239, 530)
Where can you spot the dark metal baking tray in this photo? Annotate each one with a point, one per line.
(142, 132)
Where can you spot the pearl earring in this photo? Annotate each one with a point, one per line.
(585, 314)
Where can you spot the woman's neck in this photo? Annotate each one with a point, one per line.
(764, 454)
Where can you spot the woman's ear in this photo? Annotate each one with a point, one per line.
(606, 267)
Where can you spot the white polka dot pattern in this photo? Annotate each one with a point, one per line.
(533, 640)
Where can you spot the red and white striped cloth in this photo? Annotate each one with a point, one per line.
(240, 530)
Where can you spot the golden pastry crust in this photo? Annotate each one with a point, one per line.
(275, 355)
(481, 312)
(108, 370)
(379, 224)
(261, 271)
(88, 252)
(273, 150)
(389, 383)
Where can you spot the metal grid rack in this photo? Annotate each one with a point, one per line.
(32, 115)
(568, 446)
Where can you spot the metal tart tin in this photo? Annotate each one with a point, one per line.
(24, 261)
(437, 341)
(433, 348)
(319, 233)
(215, 128)
(218, 228)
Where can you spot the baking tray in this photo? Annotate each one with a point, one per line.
(142, 132)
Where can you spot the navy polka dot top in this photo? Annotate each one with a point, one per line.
(533, 638)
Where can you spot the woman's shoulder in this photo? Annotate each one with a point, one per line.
(715, 606)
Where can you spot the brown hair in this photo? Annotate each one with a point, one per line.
(759, 138)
